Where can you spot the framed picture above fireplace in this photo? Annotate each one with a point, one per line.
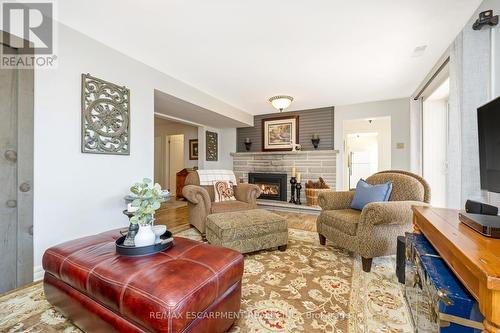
(280, 133)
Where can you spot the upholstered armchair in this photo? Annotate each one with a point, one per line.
(373, 231)
(201, 200)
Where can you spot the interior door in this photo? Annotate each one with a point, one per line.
(16, 177)
(176, 158)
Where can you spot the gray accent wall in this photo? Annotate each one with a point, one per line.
(319, 121)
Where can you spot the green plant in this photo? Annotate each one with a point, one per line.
(148, 200)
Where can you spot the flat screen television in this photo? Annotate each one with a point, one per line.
(488, 119)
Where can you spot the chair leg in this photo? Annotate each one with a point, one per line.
(367, 264)
(322, 239)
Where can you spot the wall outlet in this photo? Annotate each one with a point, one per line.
(400, 145)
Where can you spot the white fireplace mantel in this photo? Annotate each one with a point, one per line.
(300, 152)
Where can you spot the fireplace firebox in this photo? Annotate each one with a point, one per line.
(272, 185)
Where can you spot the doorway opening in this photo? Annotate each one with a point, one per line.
(435, 141)
(367, 147)
(174, 153)
(16, 173)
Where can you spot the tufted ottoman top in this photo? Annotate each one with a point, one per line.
(169, 285)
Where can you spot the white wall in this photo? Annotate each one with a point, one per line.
(227, 145)
(79, 194)
(397, 109)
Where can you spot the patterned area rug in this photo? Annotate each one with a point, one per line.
(307, 288)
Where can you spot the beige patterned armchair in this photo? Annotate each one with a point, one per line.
(201, 200)
(372, 232)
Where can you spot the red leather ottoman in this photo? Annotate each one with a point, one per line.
(192, 287)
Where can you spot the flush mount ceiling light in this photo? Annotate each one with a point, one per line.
(281, 102)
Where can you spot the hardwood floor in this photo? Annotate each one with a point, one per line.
(300, 221)
(174, 214)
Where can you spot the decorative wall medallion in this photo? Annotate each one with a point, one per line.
(105, 117)
(212, 146)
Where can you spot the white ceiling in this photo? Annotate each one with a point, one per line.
(322, 52)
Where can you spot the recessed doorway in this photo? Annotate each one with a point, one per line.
(171, 151)
(367, 148)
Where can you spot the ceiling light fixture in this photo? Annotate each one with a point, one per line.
(281, 102)
(419, 51)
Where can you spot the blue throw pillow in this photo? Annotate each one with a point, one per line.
(366, 193)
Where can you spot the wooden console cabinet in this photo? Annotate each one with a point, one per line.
(180, 179)
(475, 259)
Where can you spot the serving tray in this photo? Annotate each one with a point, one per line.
(133, 251)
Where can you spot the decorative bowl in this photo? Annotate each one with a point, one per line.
(158, 231)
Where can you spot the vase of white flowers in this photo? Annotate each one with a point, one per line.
(148, 199)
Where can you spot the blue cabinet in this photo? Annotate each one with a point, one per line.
(437, 299)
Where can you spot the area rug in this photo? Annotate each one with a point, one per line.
(307, 288)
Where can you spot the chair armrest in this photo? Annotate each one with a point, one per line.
(197, 195)
(247, 193)
(335, 200)
(390, 212)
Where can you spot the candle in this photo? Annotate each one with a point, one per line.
(293, 171)
(131, 209)
(298, 177)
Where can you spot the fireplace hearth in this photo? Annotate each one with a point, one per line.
(272, 185)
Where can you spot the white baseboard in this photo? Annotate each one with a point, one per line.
(38, 273)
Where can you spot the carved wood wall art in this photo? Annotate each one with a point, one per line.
(105, 117)
(212, 146)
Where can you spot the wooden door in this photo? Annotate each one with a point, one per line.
(176, 158)
(16, 177)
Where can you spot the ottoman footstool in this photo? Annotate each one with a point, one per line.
(248, 230)
(192, 287)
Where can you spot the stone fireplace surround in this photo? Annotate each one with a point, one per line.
(311, 165)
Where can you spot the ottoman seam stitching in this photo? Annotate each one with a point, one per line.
(182, 253)
(194, 290)
(209, 268)
(84, 248)
(126, 285)
(66, 259)
(92, 271)
(141, 292)
(145, 294)
(203, 283)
